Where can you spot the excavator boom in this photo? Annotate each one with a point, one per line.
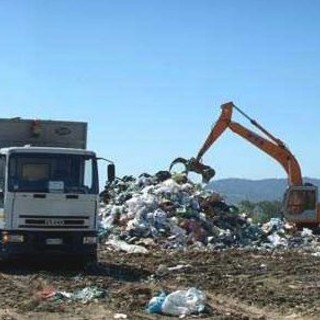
(299, 202)
(220, 126)
(271, 145)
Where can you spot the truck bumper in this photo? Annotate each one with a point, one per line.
(16, 244)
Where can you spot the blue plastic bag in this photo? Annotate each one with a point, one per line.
(155, 304)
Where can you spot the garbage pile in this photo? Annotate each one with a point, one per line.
(169, 211)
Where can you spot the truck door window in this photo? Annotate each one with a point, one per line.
(87, 174)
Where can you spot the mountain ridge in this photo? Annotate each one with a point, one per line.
(235, 190)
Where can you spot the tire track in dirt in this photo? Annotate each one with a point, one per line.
(238, 310)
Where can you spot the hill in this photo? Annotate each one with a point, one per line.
(235, 190)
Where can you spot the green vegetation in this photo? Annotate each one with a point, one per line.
(261, 211)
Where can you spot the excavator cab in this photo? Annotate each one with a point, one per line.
(300, 204)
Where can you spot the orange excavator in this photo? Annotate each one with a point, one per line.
(300, 202)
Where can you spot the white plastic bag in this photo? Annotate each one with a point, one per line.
(184, 302)
(123, 246)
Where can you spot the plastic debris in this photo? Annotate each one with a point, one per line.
(87, 294)
(180, 267)
(184, 302)
(83, 295)
(169, 211)
(155, 304)
(123, 246)
(46, 293)
(120, 316)
(276, 240)
(306, 233)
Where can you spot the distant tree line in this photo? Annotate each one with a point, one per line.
(262, 211)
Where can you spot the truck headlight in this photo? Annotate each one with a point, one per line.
(89, 240)
(6, 237)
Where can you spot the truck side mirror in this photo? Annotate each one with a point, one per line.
(111, 172)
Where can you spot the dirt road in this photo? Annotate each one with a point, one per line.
(238, 285)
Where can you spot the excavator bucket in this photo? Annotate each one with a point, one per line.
(179, 160)
(193, 165)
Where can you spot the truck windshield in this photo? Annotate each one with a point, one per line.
(54, 173)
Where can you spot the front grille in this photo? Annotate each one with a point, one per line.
(53, 222)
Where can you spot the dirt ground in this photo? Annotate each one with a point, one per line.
(238, 285)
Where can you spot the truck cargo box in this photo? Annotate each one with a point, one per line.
(18, 132)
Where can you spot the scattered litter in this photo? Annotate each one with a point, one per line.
(123, 246)
(306, 233)
(87, 294)
(83, 295)
(276, 240)
(155, 304)
(178, 303)
(120, 316)
(180, 267)
(46, 293)
(184, 302)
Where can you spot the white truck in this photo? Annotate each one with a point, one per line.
(49, 189)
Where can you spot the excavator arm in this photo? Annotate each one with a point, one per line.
(300, 201)
(220, 126)
(272, 146)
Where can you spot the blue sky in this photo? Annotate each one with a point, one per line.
(149, 76)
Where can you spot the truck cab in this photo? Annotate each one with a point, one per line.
(49, 191)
